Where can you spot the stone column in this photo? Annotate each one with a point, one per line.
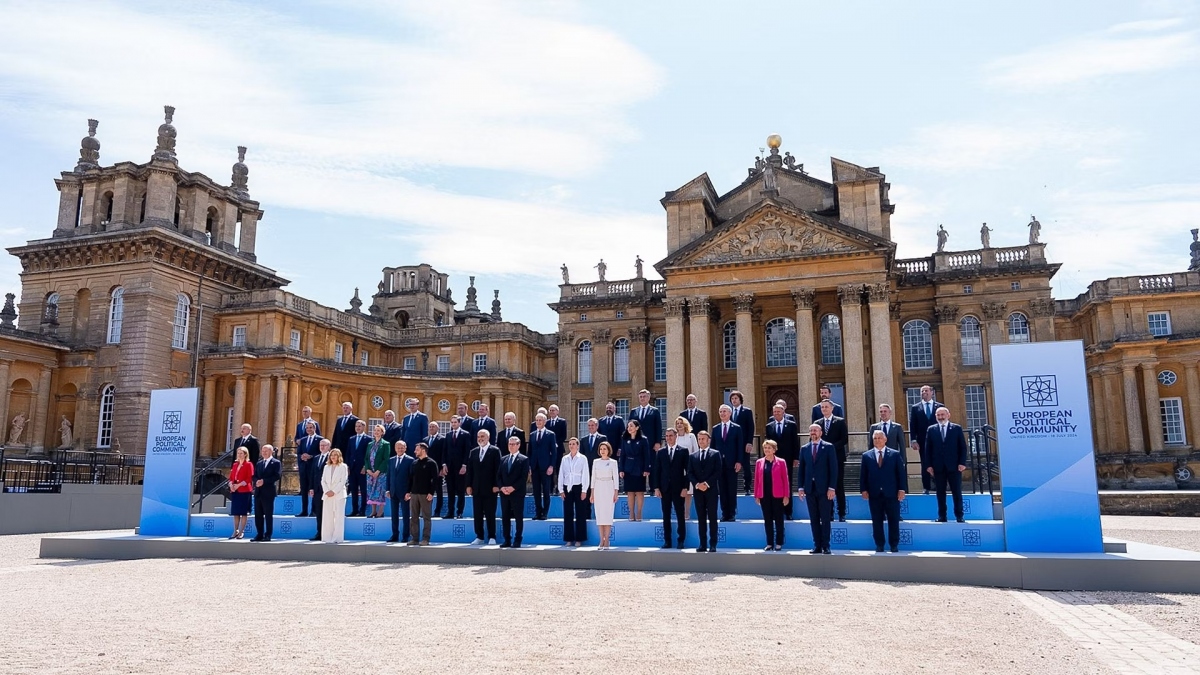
(295, 403)
(806, 351)
(602, 368)
(1193, 402)
(1112, 401)
(700, 333)
(1133, 411)
(638, 337)
(676, 365)
(38, 416)
(5, 365)
(1096, 384)
(362, 408)
(333, 409)
(206, 415)
(881, 346)
(428, 406)
(850, 296)
(395, 406)
(279, 423)
(568, 371)
(498, 411)
(262, 408)
(743, 305)
(952, 393)
(239, 402)
(1153, 414)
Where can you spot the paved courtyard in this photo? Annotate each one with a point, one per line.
(187, 616)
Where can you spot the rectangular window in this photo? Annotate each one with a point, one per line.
(583, 413)
(622, 408)
(976, 406)
(620, 314)
(1171, 410)
(443, 427)
(661, 404)
(410, 363)
(371, 424)
(295, 343)
(1016, 285)
(443, 363)
(337, 352)
(913, 396)
(1160, 323)
(364, 359)
(229, 429)
(239, 336)
(480, 362)
(967, 289)
(583, 317)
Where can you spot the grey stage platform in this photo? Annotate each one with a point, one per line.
(1141, 568)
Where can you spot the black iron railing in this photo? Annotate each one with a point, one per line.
(985, 461)
(80, 467)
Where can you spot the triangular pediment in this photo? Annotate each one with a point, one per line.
(775, 232)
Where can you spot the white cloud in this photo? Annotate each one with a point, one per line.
(975, 145)
(1135, 47)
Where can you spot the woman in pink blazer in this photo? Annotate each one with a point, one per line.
(771, 493)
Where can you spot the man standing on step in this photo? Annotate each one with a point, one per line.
(483, 466)
(670, 481)
(267, 472)
(944, 460)
(307, 449)
(511, 479)
(833, 431)
(399, 473)
(920, 417)
(705, 470)
(818, 474)
(881, 482)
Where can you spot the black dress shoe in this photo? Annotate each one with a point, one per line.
(940, 520)
(815, 551)
(879, 549)
(257, 539)
(393, 540)
(960, 520)
(841, 519)
(826, 551)
(303, 515)
(266, 539)
(316, 538)
(712, 549)
(680, 546)
(517, 544)
(506, 545)
(666, 545)
(895, 549)
(701, 549)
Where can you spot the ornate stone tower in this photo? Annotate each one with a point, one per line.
(415, 296)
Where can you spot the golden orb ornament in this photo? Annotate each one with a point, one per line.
(774, 141)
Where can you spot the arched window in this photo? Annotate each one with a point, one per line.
(183, 312)
(729, 343)
(108, 397)
(781, 342)
(970, 341)
(178, 211)
(831, 340)
(584, 360)
(621, 360)
(50, 313)
(1018, 328)
(116, 314)
(660, 359)
(141, 202)
(211, 221)
(918, 345)
(106, 208)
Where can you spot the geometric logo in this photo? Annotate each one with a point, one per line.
(368, 529)
(458, 531)
(839, 535)
(209, 524)
(172, 421)
(1039, 391)
(721, 535)
(658, 533)
(612, 533)
(286, 527)
(906, 535)
(904, 508)
(556, 532)
(972, 538)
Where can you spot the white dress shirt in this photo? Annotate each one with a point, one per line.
(572, 471)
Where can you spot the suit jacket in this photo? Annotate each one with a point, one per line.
(300, 433)
(705, 467)
(251, 445)
(467, 424)
(788, 441)
(698, 419)
(513, 472)
(744, 417)
(333, 479)
(732, 448)
(895, 436)
(543, 453)
(918, 421)
(381, 456)
(612, 428)
(309, 446)
(399, 472)
(316, 470)
(484, 423)
(837, 411)
(837, 435)
(636, 455)
(356, 452)
(481, 473)
(591, 449)
(502, 440)
(416, 426)
(886, 480)
(269, 473)
(343, 429)
(559, 426)
(392, 432)
(651, 421)
(457, 446)
(436, 449)
(944, 454)
(820, 473)
(670, 474)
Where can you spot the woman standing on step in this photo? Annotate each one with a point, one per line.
(241, 475)
(604, 490)
(333, 509)
(378, 453)
(635, 467)
(772, 493)
(684, 438)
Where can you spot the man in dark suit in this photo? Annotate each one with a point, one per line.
(920, 417)
(511, 477)
(727, 440)
(944, 460)
(589, 445)
(415, 425)
(343, 429)
(894, 433)
(392, 431)
(543, 459)
(612, 426)
(509, 430)
(670, 481)
(559, 426)
(356, 457)
(316, 468)
(833, 431)
(307, 449)
(744, 418)
(484, 422)
(465, 421)
(882, 483)
(247, 441)
(826, 394)
(435, 449)
(267, 471)
(704, 470)
(817, 476)
(458, 446)
(649, 419)
(399, 476)
(783, 431)
(696, 417)
(482, 466)
(305, 418)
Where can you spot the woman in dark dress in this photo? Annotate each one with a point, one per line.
(634, 463)
(241, 475)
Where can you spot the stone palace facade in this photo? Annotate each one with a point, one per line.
(149, 279)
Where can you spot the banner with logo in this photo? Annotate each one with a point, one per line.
(1047, 463)
(170, 459)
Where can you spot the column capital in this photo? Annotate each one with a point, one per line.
(565, 339)
(947, 313)
(804, 298)
(241, 378)
(850, 294)
(993, 310)
(698, 306)
(743, 302)
(894, 311)
(639, 334)
(1041, 307)
(877, 292)
(601, 335)
(673, 307)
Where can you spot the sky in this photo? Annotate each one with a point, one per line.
(503, 140)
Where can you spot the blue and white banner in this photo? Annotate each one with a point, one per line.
(170, 459)
(1047, 462)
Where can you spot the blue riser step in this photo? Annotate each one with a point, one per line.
(914, 535)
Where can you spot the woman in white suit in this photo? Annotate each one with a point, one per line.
(333, 510)
(604, 491)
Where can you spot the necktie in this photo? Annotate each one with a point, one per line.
(885, 428)
(943, 432)
(826, 425)
(928, 409)
(510, 461)
(724, 430)
(671, 453)
(779, 428)
(879, 456)
(814, 451)
(481, 451)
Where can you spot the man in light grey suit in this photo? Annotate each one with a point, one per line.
(895, 436)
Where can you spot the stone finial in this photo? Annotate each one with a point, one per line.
(1195, 251)
(355, 302)
(496, 305)
(89, 150)
(472, 306)
(165, 150)
(9, 313)
(241, 174)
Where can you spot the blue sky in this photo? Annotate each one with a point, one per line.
(503, 140)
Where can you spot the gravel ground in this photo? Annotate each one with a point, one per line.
(1158, 530)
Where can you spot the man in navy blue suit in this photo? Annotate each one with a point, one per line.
(484, 422)
(343, 429)
(458, 447)
(650, 420)
(696, 417)
(826, 395)
(307, 448)
(882, 483)
(392, 431)
(415, 425)
(744, 418)
(833, 431)
(704, 470)
(612, 426)
(589, 445)
(267, 471)
(465, 421)
(670, 480)
(783, 431)
(920, 417)
(543, 458)
(511, 477)
(356, 456)
(817, 476)
(559, 426)
(316, 468)
(305, 418)
(944, 460)
(399, 472)
(727, 440)
(435, 449)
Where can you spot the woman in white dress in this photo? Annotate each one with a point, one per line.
(684, 438)
(333, 509)
(604, 491)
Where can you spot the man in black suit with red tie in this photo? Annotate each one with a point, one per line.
(920, 417)
(670, 481)
(343, 428)
(783, 431)
(945, 460)
(482, 466)
(882, 483)
(817, 476)
(697, 418)
(744, 418)
(458, 448)
(355, 455)
(267, 471)
(834, 432)
(511, 477)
